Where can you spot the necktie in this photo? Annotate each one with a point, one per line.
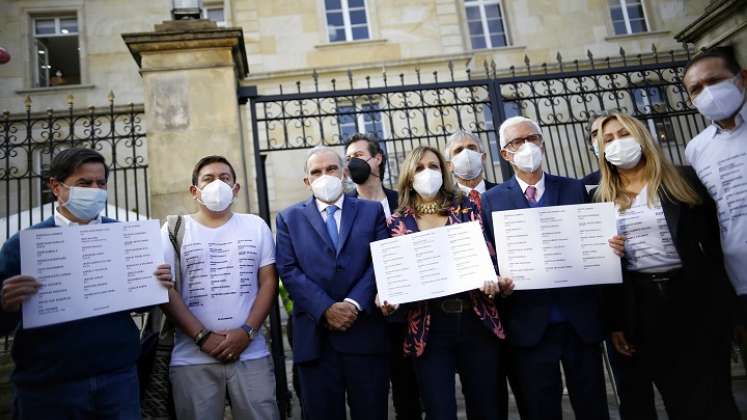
(332, 225)
(475, 197)
(530, 193)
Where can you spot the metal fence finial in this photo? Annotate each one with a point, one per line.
(591, 58)
(350, 78)
(110, 97)
(559, 58)
(494, 68)
(315, 76)
(451, 69)
(27, 102)
(70, 100)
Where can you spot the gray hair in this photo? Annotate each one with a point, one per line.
(515, 121)
(459, 135)
(321, 149)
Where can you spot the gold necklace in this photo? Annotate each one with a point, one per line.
(429, 208)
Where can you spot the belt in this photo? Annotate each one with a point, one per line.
(657, 277)
(452, 305)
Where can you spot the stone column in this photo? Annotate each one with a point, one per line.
(190, 72)
(724, 22)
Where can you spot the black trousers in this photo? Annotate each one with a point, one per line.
(634, 387)
(540, 380)
(405, 394)
(459, 343)
(686, 360)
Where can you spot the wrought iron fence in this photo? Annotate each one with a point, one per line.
(29, 141)
(404, 111)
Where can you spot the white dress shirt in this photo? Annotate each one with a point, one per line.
(60, 220)
(322, 207)
(540, 186)
(479, 187)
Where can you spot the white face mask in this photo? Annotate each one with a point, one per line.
(427, 183)
(85, 203)
(625, 153)
(327, 188)
(467, 164)
(595, 146)
(528, 158)
(216, 196)
(721, 100)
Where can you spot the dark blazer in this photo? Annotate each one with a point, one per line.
(527, 312)
(489, 185)
(316, 275)
(702, 294)
(392, 197)
(592, 178)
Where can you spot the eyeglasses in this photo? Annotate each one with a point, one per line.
(516, 143)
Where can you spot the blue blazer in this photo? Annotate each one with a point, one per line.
(527, 312)
(316, 275)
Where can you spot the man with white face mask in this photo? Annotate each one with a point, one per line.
(226, 290)
(77, 369)
(324, 260)
(554, 326)
(716, 84)
(466, 160)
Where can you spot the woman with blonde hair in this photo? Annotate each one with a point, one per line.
(454, 334)
(670, 316)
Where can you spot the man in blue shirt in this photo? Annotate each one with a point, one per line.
(83, 369)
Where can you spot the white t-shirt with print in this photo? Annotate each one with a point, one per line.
(219, 281)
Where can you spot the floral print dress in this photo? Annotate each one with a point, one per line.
(418, 313)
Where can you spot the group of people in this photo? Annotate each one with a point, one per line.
(668, 324)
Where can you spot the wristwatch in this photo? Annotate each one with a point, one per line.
(250, 331)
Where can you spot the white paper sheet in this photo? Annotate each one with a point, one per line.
(433, 263)
(561, 246)
(91, 270)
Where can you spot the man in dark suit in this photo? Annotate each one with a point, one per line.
(324, 260)
(548, 327)
(366, 165)
(78, 369)
(466, 161)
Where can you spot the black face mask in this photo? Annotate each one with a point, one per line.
(359, 170)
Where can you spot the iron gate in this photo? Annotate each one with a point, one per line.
(406, 110)
(29, 141)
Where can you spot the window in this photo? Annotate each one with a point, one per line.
(485, 23)
(347, 20)
(628, 16)
(650, 105)
(510, 109)
(56, 51)
(366, 120)
(216, 14)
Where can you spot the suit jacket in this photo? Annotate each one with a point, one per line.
(489, 185)
(592, 178)
(527, 312)
(696, 236)
(392, 198)
(316, 275)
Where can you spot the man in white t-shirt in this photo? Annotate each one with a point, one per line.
(227, 286)
(717, 84)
